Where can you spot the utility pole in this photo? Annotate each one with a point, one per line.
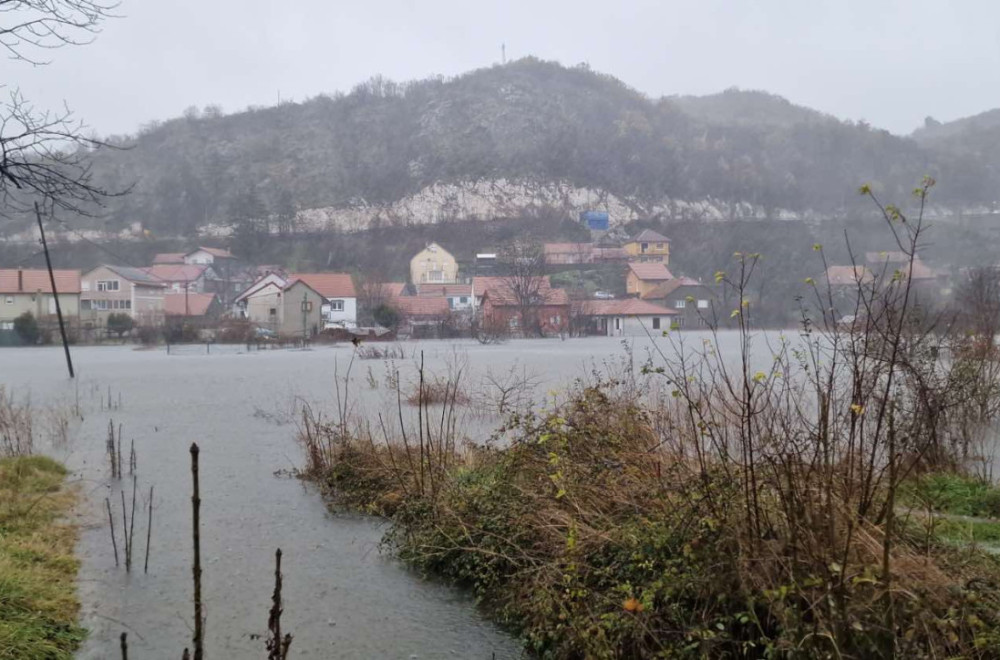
(305, 311)
(503, 53)
(55, 292)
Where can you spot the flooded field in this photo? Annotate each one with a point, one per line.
(343, 597)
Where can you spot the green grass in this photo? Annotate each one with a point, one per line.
(953, 494)
(38, 603)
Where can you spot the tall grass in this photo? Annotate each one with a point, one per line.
(38, 605)
(713, 505)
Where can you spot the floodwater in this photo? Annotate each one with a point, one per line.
(344, 598)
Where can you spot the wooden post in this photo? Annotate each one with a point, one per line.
(124, 639)
(111, 523)
(149, 530)
(199, 652)
(55, 292)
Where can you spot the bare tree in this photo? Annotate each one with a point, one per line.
(522, 267)
(44, 155)
(373, 293)
(978, 298)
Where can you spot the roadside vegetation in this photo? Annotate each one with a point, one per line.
(38, 603)
(693, 504)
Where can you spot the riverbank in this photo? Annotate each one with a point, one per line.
(38, 600)
(590, 539)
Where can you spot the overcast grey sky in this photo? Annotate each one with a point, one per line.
(890, 62)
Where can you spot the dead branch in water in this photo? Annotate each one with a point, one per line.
(149, 530)
(111, 524)
(199, 651)
(277, 646)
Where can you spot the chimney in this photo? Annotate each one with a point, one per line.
(20, 279)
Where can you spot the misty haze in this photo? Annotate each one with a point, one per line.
(548, 330)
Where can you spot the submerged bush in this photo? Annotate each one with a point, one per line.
(592, 536)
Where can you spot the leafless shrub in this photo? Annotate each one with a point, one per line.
(17, 430)
(373, 352)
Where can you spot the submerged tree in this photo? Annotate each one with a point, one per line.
(44, 155)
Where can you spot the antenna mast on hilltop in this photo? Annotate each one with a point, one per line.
(503, 53)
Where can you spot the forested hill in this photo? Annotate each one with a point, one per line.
(528, 121)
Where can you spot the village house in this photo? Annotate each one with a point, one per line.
(927, 283)
(421, 317)
(691, 300)
(203, 308)
(30, 290)
(222, 275)
(649, 246)
(548, 313)
(458, 296)
(240, 303)
(202, 256)
(287, 308)
(340, 298)
(562, 254)
(433, 265)
(107, 290)
(179, 278)
(629, 317)
(642, 279)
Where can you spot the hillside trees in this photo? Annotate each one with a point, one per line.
(45, 153)
(526, 121)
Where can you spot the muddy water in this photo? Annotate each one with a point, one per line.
(344, 598)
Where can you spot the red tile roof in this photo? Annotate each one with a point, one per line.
(215, 252)
(438, 290)
(499, 292)
(32, 281)
(650, 236)
(666, 288)
(328, 285)
(624, 307)
(175, 272)
(840, 275)
(412, 306)
(650, 272)
(393, 289)
(191, 304)
(169, 258)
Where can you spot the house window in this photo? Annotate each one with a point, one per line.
(9, 300)
(645, 246)
(680, 304)
(336, 305)
(618, 323)
(554, 320)
(451, 303)
(272, 312)
(464, 300)
(679, 322)
(99, 304)
(85, 305)
(107, 285)
(6, 325)
(436, 276)
(656, 323)
(702, 304)
(659, 246)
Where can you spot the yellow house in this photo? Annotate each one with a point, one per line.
(644, 279)
(649, 246)
(24, 291)
(433, 265)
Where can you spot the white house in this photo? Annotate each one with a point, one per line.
(241, 302)
(628, 317)
(340, 307)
